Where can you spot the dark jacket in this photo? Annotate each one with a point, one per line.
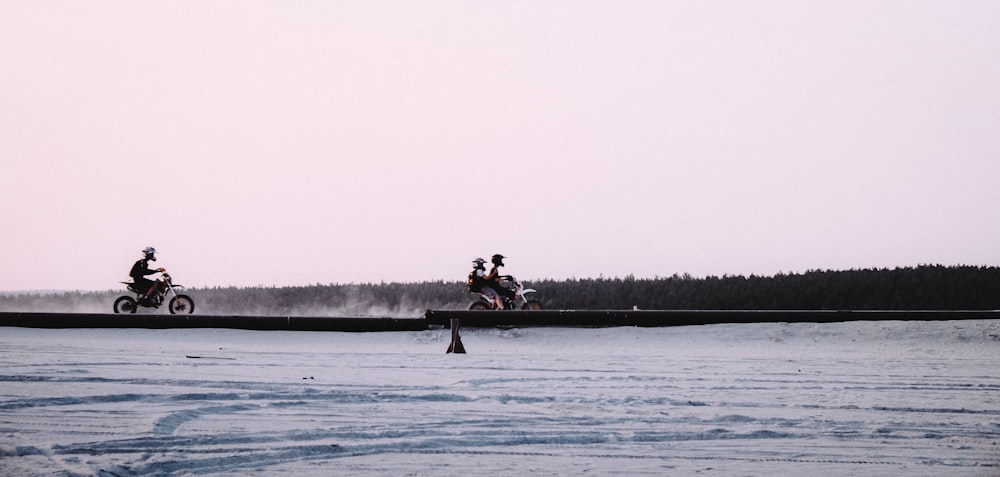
(140, 270)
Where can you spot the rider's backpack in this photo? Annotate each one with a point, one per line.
(475, 282)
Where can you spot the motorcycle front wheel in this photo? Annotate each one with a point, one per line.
(181, 305)
(532, 305)
(125, 304)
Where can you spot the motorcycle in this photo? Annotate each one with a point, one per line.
(512, 293)
(178, 304)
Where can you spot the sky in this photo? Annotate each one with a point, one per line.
(312, 142)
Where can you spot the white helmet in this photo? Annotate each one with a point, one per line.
(149, 252)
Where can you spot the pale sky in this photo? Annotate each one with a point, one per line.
(303, 142)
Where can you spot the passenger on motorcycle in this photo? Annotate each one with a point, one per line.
(492, 280)
(141, 269)
(479, 284)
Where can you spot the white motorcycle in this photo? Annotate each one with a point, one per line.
(512, 294)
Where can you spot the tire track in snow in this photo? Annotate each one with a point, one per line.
(169, 424)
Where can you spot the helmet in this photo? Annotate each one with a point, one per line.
(498, 260)
(479, 262)
(150, 252)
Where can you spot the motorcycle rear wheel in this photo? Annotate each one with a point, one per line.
(125, 304)
(477, 306)
(532, 305)
(181, 305)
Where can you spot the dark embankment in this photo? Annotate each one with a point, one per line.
(656, 318)
(435, 318)
(164, 321)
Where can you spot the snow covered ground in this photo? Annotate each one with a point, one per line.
(859, 398)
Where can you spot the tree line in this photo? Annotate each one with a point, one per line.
(925, 287)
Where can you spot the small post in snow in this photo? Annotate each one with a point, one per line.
(456, 340)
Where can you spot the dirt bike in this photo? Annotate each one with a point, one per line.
(512, 294)
(179, 304)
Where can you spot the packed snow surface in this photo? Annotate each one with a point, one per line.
(858, 398)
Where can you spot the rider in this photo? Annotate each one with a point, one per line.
(492, 280)
(139, 271)
(479, 284)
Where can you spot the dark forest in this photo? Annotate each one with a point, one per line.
(925, 287)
